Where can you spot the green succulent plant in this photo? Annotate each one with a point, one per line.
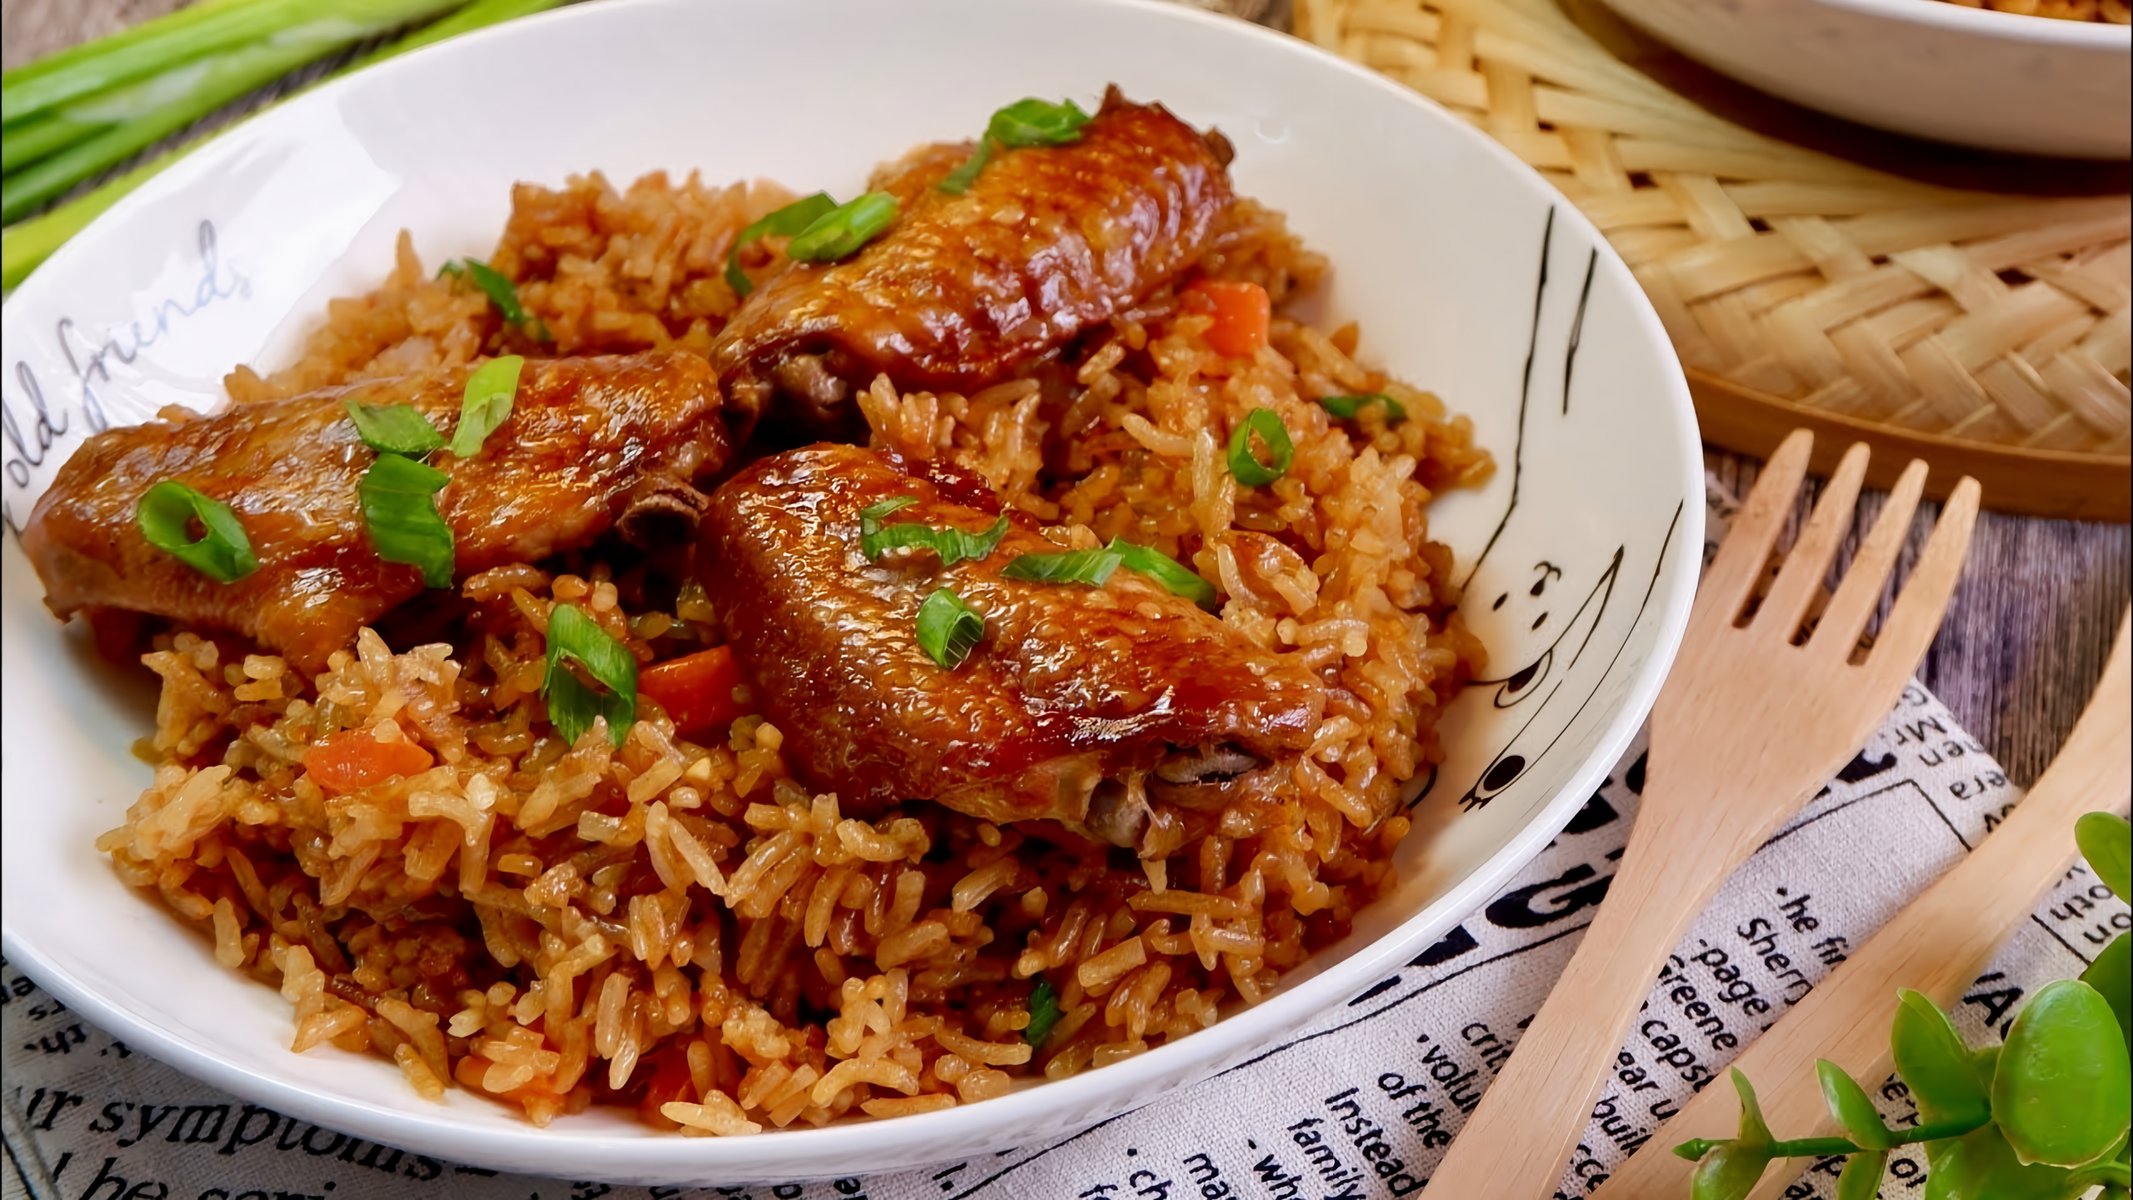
(2042, 1116)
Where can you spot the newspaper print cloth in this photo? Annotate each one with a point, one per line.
(1358, 1106)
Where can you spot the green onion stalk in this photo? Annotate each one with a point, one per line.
(142, 113)
(151, 47)
(478, 15)
(26, 244)
(36, 138)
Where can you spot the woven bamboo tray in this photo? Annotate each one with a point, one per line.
(1989, 333)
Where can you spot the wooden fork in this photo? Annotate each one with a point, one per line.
(1752, 721)
(1937, 945)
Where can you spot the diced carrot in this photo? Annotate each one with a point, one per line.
(352, 760)
(696, 689)
(1242, 312)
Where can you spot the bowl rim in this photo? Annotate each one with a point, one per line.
(1995, 24)
(642, 1153)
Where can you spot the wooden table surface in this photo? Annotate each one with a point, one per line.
(2022, 645)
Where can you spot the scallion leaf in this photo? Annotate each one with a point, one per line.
(502, 294)
(394, 429)
(881, 508)
(958, 181)
(399, 498)
(1175, 576)
(1090, 567)
(574, 638)
(785, 222)
(486, 403)
(1346, 407)
(1044, 1013)
(953, 545)
(1027, 122)
(870, 522)
(1249, 471)
(1034, 122)
(839, 233)
(166, 514)
(948, 629)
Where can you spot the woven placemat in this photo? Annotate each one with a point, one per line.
(1988, 332)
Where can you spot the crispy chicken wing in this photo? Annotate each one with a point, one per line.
(965, 290)
(1079, 705)
(590, 442)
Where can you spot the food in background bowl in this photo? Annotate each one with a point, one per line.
(2117, 12)
(1062, 634)
(1950, 72)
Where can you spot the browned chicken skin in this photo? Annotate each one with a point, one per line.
(1080, 705)
(966, 290)
(590, 442)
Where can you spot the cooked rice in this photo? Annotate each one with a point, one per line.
(682, 928)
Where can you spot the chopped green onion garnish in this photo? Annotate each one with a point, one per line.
(958, 181)
(1175, 576)
(1043, 1013)
(1034, 122)
(1280, 450)
(881, 508)
(502, 293)
(953, 545)
(395, 429)
(1345, 407)
(166, 515)
(399, 497)
(870, 523)
(785, 222)
(840, 232)
(948, 629)
(1030, 122)
(576, 638)
(1091, 567)
(486, 403)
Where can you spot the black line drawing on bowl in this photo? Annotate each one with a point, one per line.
(1508, 766)
(1545, 664)
(1514, 689)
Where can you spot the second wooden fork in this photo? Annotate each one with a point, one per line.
(1754, 718)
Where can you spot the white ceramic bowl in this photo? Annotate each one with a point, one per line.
(1593, 521)
(1975, 77)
